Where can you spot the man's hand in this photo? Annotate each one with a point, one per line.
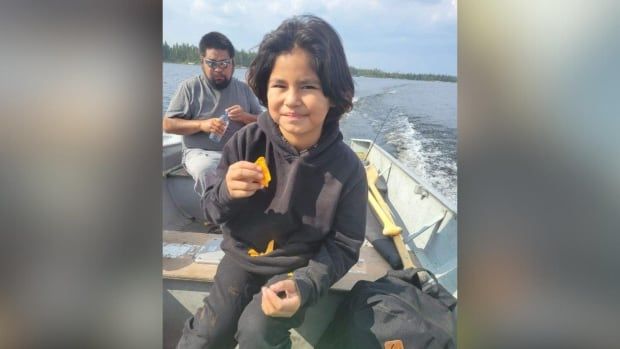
(237, 113)
(213, 125)
(243, 179)
(275, 306)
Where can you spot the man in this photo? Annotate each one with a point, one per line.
(198, 103)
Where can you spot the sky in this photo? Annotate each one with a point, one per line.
(406, 36)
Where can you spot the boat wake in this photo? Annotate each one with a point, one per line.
(427, 149)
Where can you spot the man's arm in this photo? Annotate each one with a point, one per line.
(237, 113)
(249, 118)
(179, 119)
(187, 127)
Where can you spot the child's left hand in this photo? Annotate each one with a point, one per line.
(275, 306)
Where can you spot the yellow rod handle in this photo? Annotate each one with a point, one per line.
(372, 175)
(402, 251)
(381, 201)
(389, 228)
(383, 212)
(392, 230)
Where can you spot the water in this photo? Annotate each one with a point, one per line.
(415, 121)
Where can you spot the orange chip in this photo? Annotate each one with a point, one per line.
(253, 253)
(263, 166)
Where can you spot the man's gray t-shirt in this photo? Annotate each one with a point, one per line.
(196, 99)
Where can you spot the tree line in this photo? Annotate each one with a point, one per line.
(376, 73)
(188, 54)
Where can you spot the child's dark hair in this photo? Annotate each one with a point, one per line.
(218, 41)
(321, 41)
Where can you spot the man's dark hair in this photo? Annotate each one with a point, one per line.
(218, 41)
(321, 41)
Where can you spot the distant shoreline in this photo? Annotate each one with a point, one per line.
(374, 73)
(188, 54)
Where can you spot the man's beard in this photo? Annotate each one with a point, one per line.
(222, 84)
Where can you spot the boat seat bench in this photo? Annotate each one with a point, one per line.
(370, 266)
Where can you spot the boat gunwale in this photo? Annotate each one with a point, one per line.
(427, 186)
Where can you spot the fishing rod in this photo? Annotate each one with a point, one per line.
(378, 132)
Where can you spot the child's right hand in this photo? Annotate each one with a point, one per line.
(243, 179)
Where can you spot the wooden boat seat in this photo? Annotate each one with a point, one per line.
(180, 265)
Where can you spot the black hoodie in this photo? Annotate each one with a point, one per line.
(314, 207)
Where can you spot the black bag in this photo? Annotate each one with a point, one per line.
(396, 311)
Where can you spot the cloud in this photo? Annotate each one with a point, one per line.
(409, 28)
(198, 6)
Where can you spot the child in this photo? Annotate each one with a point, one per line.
(288, 240)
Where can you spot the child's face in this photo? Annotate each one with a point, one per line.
(295, 99)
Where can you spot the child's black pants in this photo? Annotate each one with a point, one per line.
(232, 313)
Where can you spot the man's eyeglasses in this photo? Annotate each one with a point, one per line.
(223, 64)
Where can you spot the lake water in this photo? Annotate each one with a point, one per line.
(415, 121)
